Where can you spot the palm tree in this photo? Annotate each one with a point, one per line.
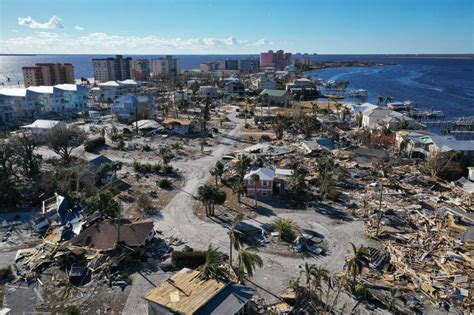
(214, 266)
(238, 188)
(380, 100)
(345, 112)
(248, 259)
(355, 263)
(307, 272)
(319, 274)
(255, 178)
(388, 99)
(210, 196)
(234, 236)
(392, 298)
(217, 171)
(241, 164)
(286, 227)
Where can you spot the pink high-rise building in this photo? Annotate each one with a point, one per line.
(278, 59)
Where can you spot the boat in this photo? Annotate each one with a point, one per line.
(401, 106)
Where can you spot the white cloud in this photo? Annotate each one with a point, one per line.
(79, 28)
(92, 43)
(53, 24)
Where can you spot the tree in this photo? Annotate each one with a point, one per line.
(248, 259)
(165, 153)
(380, 100)
(234, 236)
(319, 274)
(103, 201)
(314, 275)
(206, 114)
(211, 196)
(63, 140)
(10, 196)
(280, 124)
(238, 188)
(217, 171)
(214, 266)
(296, 183)
(356, 262)
(202, 143)
(388, 99)
(255, 178)
(29, 163)
(286, 227)
(345, 112)
(392, 298)
(241, 165)
(445, 165)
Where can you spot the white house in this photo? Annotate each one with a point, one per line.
(41, 126)
(375, 118)
(125, 106)
(110, 90)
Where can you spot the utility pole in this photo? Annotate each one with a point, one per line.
(380, 210)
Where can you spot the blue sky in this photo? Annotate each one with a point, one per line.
(245, 26)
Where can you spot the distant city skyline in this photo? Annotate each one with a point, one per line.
(244, 27)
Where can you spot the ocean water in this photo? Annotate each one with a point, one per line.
(10, 65)
(433, 83)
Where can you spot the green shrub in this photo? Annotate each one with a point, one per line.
(72, 310)
(165, 184)
(167, 169)
(157, 167)
(6, 274)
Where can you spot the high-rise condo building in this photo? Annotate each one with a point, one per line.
(278, 60)
(165, 66)
(48, 74)
(112, 69)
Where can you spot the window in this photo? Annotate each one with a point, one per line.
(251, 182)
(264, 193)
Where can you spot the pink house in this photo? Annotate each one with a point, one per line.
(264, 186)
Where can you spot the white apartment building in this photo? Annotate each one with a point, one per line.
(110, 90)
(28, 102)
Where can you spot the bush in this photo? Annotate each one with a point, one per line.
(188, 259)
(286, 227)
(265, 138)
(72, 310)
(333, 194)
(92, 144)
(167, 169)
(165, 184)
(6, 274)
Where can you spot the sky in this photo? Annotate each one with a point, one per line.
(236, 27)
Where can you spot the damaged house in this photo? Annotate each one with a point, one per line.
(187, 292)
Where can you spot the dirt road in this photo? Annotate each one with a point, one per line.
(177, 219)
